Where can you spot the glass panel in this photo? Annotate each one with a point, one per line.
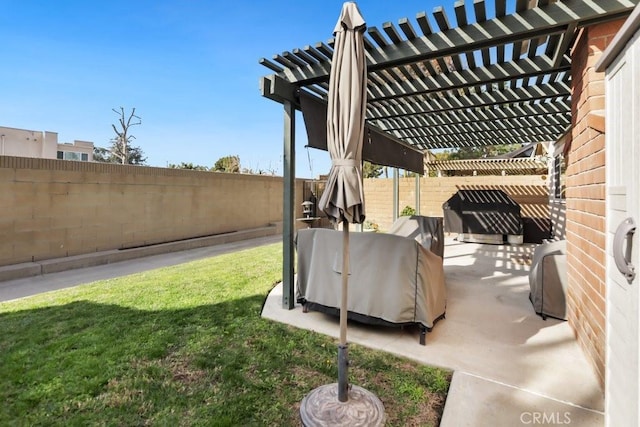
(70, 155)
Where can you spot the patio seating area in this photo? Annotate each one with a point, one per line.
(510, 366)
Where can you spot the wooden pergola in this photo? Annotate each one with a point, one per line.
(490, 167)
(450, 81)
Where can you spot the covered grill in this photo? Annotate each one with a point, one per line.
(483, 216)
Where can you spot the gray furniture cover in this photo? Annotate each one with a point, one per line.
(428, 231)
(393, 279)
(548, 280)
(478, 212)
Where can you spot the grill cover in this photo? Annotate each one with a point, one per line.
(548, 280)
(482, 212)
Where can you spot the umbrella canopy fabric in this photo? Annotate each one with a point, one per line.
(343, 198)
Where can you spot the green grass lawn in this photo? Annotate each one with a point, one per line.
(185, 345)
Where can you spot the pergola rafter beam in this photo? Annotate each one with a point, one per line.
(465, 79)
(430, 144)
(271, 65)
(514, 28)
(516, 165)
(479, 114)
(543, 133)
(391, 32)
(481, 16)
(407, 29)
(313, 52)
(304, 55)
(441, 127)
(443, 22)
(521, 5)
(461, 17)
(509, 96)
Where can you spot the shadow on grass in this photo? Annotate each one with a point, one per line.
(221, 364)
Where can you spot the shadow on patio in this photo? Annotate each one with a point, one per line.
(510, 365)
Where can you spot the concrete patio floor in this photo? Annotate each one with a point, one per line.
(510, 366)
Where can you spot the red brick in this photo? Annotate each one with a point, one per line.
(597, 45)
(585, 206)
(604, 30)
(595, 88)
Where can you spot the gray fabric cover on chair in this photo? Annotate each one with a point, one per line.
(428, 231)
(548, 280)
(393, 279)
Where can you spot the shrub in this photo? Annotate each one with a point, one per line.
(408, 211)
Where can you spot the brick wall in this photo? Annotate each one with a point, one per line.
(56, 208)
(530, 191)
(585, 203)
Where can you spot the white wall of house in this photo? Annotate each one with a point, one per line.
(28, 143)
(41, 145)
(78, 150)
(622, 88)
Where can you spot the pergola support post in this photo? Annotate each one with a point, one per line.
(396, 194)
(288, 211)
(417, 194)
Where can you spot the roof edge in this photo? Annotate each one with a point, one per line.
(629, 28)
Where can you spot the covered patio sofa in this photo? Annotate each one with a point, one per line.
(394, 280)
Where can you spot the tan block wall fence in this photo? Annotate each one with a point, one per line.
(55, 208)
(530, 191)
(585, 213)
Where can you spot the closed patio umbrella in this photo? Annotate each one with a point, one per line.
(343, 198)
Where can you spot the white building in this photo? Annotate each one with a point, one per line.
(42, 144)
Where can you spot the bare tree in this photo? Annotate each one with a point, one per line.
(123, 138)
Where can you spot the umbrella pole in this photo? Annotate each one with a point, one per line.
(343, 358)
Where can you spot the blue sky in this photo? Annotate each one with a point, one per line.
(190, 68)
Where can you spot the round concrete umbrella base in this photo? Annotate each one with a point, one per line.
(321, 407)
